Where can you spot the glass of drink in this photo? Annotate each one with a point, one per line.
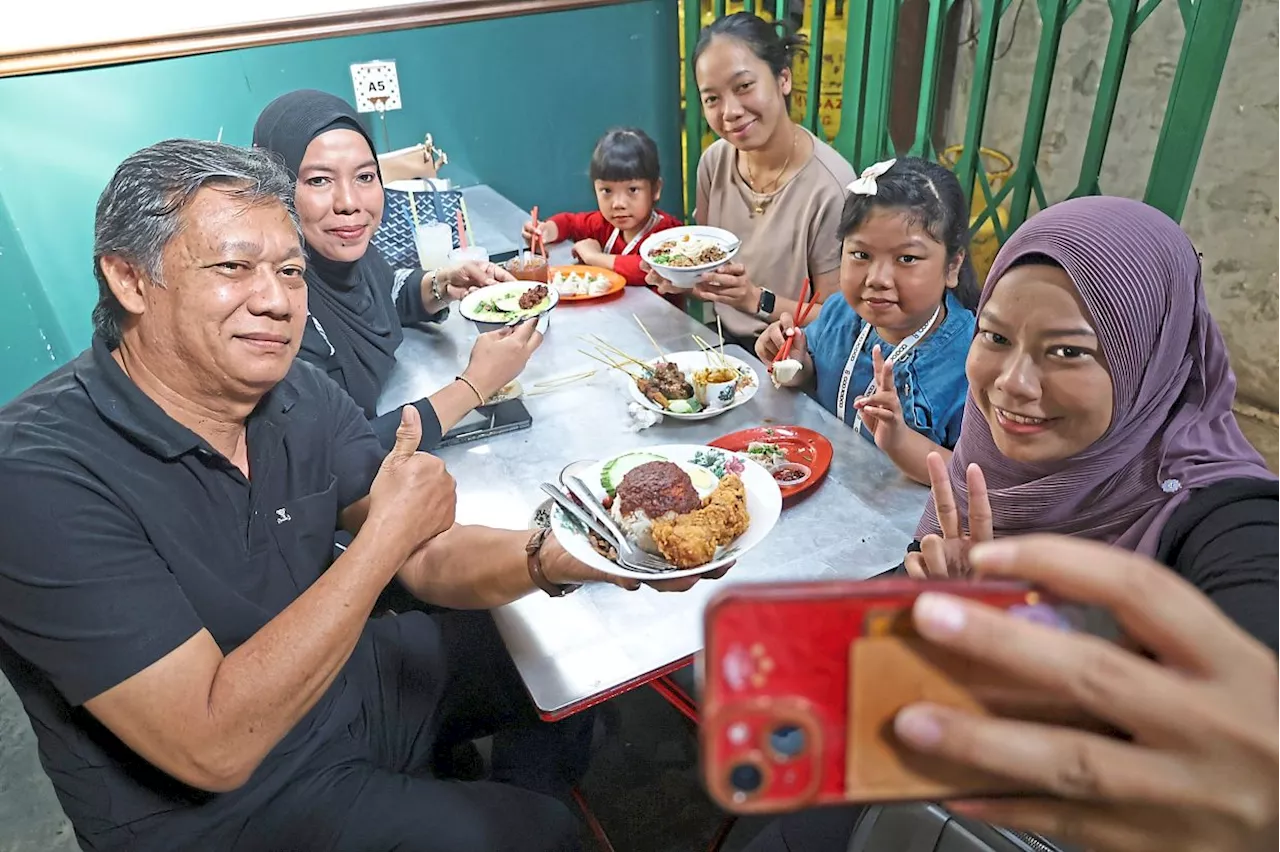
(528, 266)
(434, 241)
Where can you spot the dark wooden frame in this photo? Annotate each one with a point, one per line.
(422, 14)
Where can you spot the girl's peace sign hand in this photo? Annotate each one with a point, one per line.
(882, 410)
(947, 555)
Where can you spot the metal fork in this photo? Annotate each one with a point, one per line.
(630, 557)
(564, 501)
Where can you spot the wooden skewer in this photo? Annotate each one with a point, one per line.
(609, 348)
(650, 336)
(609, 364)
(720, 334)
(565, 380)
(711, 351)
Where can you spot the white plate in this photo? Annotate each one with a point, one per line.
(764, 504)
(686, 276)
(469, 307)
(697, 360)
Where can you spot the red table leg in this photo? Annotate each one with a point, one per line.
(594, 824)
(679, 699)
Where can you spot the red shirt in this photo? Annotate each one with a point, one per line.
(593, 226)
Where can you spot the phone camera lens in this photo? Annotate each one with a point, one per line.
(745, 778)
(787, 740)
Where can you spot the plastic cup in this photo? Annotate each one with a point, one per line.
(461, 255)
(434, 241)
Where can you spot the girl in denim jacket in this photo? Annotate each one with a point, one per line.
(887, 355)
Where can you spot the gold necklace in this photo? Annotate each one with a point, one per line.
(763, 199)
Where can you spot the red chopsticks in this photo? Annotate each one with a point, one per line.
(536, 243)
(462, 232)
(805, 307)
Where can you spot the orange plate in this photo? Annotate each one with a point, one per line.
(803, 446)
(616, 281)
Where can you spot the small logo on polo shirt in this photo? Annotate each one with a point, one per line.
(282, 515)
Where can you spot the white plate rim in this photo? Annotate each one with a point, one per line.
(711, 231)
(760, 485)
(705, 414)
(466, 307)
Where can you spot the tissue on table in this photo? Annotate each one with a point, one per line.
(642, 417)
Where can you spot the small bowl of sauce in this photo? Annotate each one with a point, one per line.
(791, 474)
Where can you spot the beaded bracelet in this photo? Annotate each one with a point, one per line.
(468, 383)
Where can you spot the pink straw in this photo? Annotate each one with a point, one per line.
(462, 232)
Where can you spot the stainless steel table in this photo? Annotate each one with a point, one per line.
(495, 221)
(573, 651)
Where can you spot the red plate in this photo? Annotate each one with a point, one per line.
(804, 446)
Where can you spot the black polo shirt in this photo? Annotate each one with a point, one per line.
(122, 534)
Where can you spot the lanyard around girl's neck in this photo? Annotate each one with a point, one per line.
(644, 232)
(898, 351)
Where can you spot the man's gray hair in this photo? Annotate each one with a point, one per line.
(140, 210)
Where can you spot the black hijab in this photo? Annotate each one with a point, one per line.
(353, 330)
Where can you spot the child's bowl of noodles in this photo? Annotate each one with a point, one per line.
(681, 255)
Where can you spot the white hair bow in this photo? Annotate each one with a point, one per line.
(866, 184)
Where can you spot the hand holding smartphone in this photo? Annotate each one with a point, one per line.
(802, 683)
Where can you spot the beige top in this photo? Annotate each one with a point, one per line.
(793, 239)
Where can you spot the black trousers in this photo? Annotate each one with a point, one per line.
(826, 829)
(428, 682)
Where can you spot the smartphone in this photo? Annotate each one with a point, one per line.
(801, 683)
(488, 420)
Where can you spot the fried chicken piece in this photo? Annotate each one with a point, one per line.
(685, 544)
(691, 539)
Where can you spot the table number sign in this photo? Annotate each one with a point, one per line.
(376, 85)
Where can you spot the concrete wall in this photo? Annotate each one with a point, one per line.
(1232, 211)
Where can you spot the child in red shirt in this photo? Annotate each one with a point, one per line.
(628, 183)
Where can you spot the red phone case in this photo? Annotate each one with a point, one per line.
(777, 674)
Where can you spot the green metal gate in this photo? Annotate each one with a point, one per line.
(872, 32)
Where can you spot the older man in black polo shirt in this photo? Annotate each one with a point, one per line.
(200, 672)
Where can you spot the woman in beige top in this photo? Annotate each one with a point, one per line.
(767, 180)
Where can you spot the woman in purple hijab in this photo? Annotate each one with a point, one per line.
(1100, 407)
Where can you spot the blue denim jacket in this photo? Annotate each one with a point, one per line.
(930, 379)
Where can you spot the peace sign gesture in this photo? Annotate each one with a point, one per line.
(947, 555)
(882, 411)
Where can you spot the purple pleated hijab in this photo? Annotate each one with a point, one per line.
(1172, 429)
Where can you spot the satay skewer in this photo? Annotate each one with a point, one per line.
(650, 336)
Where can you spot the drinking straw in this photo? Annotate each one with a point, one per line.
(462, 232)
(466, 218)
(413, 209)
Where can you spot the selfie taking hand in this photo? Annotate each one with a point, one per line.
(413, 497)
(1199, 770)
(947, 555)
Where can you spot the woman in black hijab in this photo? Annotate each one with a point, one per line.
(357, 302)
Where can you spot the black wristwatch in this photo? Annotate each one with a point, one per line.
(767, 303)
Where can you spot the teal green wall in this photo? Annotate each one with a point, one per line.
(30, 338)
(517, 103)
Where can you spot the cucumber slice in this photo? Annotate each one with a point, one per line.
(510, 303)
(684, 406)
(615, 469)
